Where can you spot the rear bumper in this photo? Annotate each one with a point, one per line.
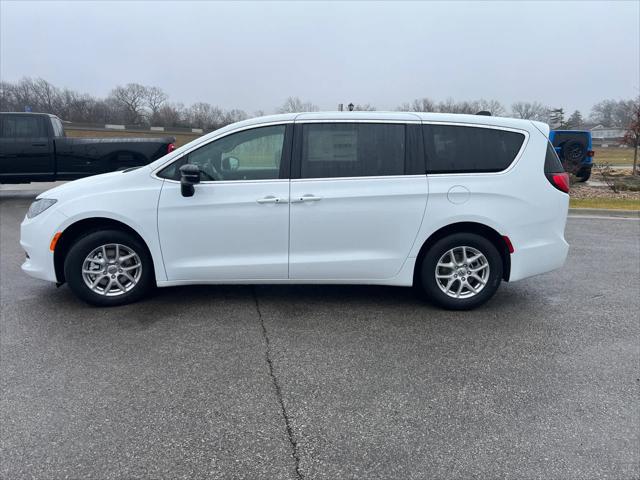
(535, 259)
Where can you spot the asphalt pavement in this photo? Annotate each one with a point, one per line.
(327, 382)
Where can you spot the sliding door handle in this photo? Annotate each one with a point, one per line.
(306, 198)
(271, 199)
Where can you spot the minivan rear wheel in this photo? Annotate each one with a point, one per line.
(108, 268)
(461, 271)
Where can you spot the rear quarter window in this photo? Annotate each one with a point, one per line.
(552, 163)
(461, 149)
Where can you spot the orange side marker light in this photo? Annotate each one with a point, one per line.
(54, 240)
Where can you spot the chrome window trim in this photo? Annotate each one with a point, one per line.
(369, 177)
(300, 180)
(230, 182)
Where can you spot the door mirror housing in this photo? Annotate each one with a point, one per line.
(189, 176)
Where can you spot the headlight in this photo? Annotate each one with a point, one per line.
(40, 206)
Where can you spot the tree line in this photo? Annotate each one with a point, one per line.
(135, 104)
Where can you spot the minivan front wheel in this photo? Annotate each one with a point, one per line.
(461, 271)
(109, 267)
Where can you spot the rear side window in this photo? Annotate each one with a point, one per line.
(552, 163)
(22, 126)
(458, 149)
(352, 150)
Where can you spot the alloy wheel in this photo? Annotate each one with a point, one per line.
(462, 272)
(112, 269)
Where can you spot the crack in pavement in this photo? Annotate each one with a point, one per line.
(276, 386)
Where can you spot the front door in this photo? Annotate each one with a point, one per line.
(26, 148)
(236, 225)
(357, 202)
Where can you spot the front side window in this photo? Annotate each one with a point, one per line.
(254, 154)
(459, 149)
(22, 126)
(352, 150)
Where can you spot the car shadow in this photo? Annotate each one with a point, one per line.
(285, 303)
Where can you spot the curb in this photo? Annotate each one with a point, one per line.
(605, 212)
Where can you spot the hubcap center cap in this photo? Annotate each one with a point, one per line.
(113, 268)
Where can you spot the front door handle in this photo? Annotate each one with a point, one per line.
(306, 198)
(38, 144)
(271, 199)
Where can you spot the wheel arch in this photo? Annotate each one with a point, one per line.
(82, 228)
(466, 227)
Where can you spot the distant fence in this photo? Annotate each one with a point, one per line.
(130, 128)
(182, 135)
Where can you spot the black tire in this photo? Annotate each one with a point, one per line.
(583, 174)
(441, 247)
(73, 266)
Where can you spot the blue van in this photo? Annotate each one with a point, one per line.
(575, 149)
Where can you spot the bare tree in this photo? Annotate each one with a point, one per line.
(418, 105)
(493, 106)
(625, 112)
(132, 99)
(602, 112)
(365, 107)
(451, 106)
(154, 99)
(7, 97)
(530, 111)
(632, 135)
(23, 95)
(448, 106)
(46, 96)
(233, 116)
(172, 115)
(294, 104)
(206, 116)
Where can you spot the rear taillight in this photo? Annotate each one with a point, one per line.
(554, 170)
(171, 147)
(559, 180)
(591, 153)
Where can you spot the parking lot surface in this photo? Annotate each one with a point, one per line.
(327, 382)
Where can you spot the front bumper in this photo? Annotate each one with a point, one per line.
(35, 239)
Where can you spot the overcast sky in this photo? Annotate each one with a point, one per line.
(253, 55)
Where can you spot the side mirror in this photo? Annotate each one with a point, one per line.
(189, 176)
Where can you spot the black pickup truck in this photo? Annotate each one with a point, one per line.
(33, 148)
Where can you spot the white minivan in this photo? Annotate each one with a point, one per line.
(451, 203)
